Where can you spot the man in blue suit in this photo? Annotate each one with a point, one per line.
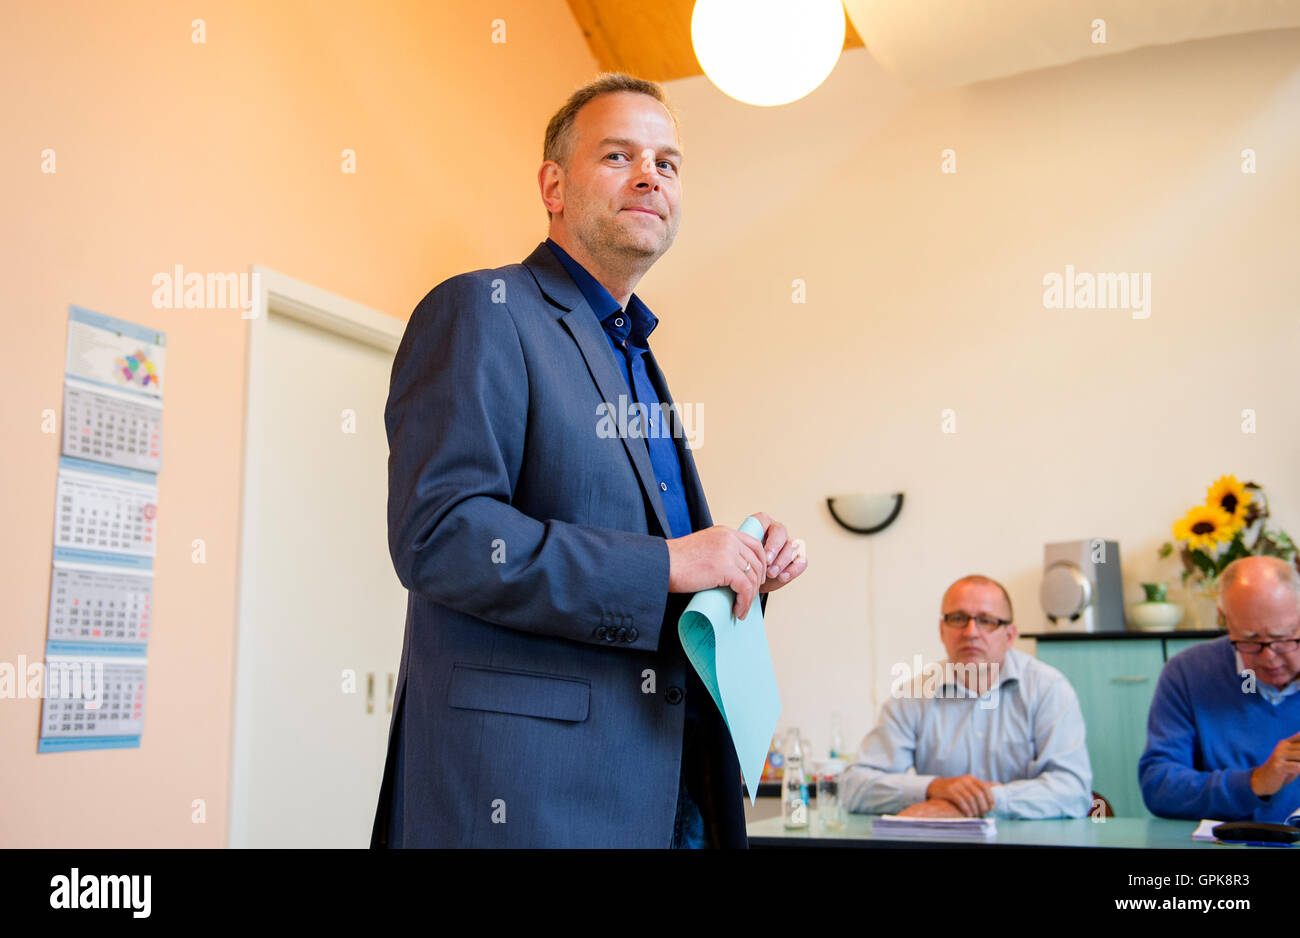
(548, 542)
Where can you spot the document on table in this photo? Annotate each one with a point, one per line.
(732, 659)
(1205, 830)
(931, 826)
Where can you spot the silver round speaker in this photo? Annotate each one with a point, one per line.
(1065, 591)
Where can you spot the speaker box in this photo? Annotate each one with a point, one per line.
(1082, 590)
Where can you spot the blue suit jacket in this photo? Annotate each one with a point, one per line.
(534, 553)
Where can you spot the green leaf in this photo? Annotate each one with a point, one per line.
(1203, 562)
(1236, 550)
(1166, 549)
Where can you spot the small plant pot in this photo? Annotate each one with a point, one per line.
(1154, 617)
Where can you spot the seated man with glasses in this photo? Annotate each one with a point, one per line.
(994, 732)
(1223, 734)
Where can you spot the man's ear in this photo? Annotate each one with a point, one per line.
(550, 182)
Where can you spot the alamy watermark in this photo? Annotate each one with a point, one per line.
(947, 680)
(58, 680)
(212, 290)
(1107, 290)
(650, 421)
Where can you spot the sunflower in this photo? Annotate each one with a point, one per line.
(1204, 528)
(1232, 497)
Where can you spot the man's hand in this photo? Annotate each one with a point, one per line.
(931, 807)
(785, 558)
(713, 557)
(973, 796)
(1282, 768)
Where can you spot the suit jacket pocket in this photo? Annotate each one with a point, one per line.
(527, 693)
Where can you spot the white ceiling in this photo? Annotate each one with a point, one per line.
(939, 43)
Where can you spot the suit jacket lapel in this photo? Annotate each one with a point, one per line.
(581, 323)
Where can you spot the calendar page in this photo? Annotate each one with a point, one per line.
(92, 703)
(111, 426)
(97, 605)
(106, 509)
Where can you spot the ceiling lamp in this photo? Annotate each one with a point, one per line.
(767, 52)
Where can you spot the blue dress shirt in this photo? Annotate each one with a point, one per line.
(1026, 735)
(628, 333)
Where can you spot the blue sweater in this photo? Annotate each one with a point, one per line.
(1205, 736)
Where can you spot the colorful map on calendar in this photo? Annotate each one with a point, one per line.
(114, 353)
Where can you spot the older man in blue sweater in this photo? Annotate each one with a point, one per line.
(1223, 735)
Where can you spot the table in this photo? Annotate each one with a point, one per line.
(1130, 833)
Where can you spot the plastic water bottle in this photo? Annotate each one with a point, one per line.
(794, 787)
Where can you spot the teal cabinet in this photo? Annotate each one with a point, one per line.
(1115, 678)
(1174, 645)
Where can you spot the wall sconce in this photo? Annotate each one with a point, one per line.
(868, 514)
(865, 514)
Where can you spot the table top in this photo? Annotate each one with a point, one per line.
(1131, 833)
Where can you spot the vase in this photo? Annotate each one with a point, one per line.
(1202, 607)
(1154, 617)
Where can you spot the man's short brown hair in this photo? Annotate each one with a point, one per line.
(558, 145)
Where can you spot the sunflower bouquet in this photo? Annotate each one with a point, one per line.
(1230, 524)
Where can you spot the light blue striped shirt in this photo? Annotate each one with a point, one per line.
(1026, 734)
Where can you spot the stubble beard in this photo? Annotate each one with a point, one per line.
(605, 238)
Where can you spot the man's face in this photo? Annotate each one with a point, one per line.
(621, 194)
(1262, 611)
(969, 644)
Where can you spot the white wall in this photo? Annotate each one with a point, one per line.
(924, 292)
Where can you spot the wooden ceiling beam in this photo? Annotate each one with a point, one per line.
(651, 41)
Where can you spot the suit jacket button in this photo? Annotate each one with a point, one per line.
(632, 634)
(601, 632)
(674, 695)
(622, 634)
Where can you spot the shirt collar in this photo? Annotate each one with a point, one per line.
(1009, 671)
(1273, 695)
(636, 324)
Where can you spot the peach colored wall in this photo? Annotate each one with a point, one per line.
(215, 157)
(223, 155)
(924, 292)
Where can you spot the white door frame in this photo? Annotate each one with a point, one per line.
(276, 293)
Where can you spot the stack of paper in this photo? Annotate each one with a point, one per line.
(934, 826)
(1205, 830)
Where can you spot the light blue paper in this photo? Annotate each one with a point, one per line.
(732, 659)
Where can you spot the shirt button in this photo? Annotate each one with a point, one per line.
(663, 486)
(619, 321)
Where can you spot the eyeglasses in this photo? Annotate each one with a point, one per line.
(987, 623)
(1282, 647)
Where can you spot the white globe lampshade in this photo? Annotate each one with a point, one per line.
(767, 52)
